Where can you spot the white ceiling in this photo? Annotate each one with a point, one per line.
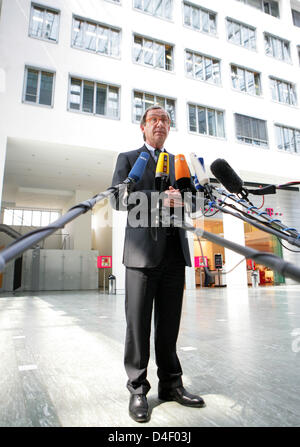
(40, 174)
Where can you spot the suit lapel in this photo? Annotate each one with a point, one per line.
(152, 164)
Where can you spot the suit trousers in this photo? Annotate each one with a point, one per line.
(162, 285)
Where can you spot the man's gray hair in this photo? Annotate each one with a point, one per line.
(154, 107)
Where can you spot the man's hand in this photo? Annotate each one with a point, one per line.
(173, 198)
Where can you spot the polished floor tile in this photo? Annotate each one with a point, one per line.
(62, 360)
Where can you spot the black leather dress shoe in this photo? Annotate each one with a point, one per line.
(138, 408)
(181, 396)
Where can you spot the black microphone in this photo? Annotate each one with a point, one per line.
(233, 183)
(227, 176)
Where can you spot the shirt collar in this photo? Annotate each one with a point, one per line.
(152, 149)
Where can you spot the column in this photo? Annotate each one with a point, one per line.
(119, 219)
(234, 231)
(190, 282)
(82, 225)
(3, 141)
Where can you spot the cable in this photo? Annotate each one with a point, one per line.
(289, 249)
(212, 274)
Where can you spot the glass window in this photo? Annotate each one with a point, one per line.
(113, 102)
(44, 23)
(152, 53)
(8, 217)
(277, 48)
(141, 101)
(202, 125)
(192, 118)
(92, 97)
(296, 17)
(36, 218)
(251, 130)
(206, 121)
(95, 37)
(200, 19)
(101, 98)
(18, 217)
(241, 34)
(203, 68)
(46, 88)
(88, 97)
(75, 94)
(157, 8)
(245, 80)
(38, 86)
(269, 7)
(45, 218)
(78, 33)
(32, 85)
(283, 91)
(211, 118)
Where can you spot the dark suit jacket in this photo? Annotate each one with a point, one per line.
(140, 249)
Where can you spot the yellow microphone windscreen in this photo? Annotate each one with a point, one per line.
(162, 167)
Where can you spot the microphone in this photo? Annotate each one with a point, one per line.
(201, 180)
(227, 176)
(134, 176)
(162, 172)
(233, 183)
(182, 174)
(137, 169)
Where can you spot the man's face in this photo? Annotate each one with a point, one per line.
(156, 128)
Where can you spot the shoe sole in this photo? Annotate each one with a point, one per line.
(168, 399)
(147, 419)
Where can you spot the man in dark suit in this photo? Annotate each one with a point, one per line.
(155, 272)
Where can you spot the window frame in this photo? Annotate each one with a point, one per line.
(200, 10)
(250, 70)
(154, 15)
(282, 41)
(289, 85)
(39, 70)
(31, 210)
(206, 108)
(203, 56)
(156, 95)
(282, 127)
(44, 8)
(262, 6)
(242, 25)
(252, 138)
(102, 25)
(154, 41)
(95, 83)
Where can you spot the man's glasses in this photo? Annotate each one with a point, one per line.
(155, 120)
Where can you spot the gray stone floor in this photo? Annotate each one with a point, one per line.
(62, 360)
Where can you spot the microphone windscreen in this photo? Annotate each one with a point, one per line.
(138, 168)
(198, 165)
(181, 167)
(182, 173)
(162, 167)
(226, 175)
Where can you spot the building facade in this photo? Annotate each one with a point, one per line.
(75, 77)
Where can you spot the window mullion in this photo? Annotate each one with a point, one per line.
(38, 87)
(81, 95)
(94, 98)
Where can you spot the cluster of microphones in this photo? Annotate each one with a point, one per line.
(200, 181)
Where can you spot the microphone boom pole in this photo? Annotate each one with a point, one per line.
(30, 239)
(268, 259)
